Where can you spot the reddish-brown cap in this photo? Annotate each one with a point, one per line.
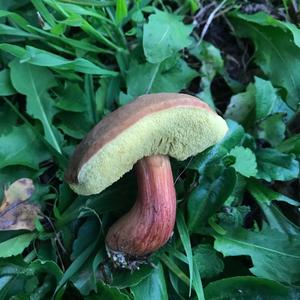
(172, 124)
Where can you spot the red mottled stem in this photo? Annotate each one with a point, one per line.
(150, 222)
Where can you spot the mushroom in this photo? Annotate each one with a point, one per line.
(143, 133)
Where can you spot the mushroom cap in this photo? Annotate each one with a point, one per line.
(172, 124)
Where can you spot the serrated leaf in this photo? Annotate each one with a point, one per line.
(16, 245)
(39, 104)
(245, 161)
(46, 266)
(274, 254)
(164, 35)
(22, 147)
(274, 165)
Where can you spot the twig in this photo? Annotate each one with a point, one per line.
(185, 168)
(209, 20)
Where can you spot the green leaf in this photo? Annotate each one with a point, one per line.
(272, 129)
(39, 104)
(164, 35)
(76, 265)
(71, 98)
(208, 197)
(264, 19)
(8, 119)
(276, 219)
(15, 18)
(123, 278)
(16, 245)
(108, 293)
(121, 10)
(22, 147)
(152, 287)
(173, 267)
(85, 236)
(46, 266)
(274, 51)
(274, 165)
(84, 278)
(73, 124)
(291, 145)
(233, 216)
(43, 58)
(6, 87)
(241, 105)
(173, 77)
(267, 100)
(207, 261)
(150, 78)
(9, 30)
(245, 161)
(274, 254)
(264, 194)
(250, 288)
(41, 8)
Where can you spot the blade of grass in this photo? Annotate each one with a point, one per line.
(80, 260)
(198, 283)
(121, 10)
(174, 268)
(184, 236)
(82, 45)
(71, 8)
(42, 9)
(15, 18)
(195, 279)
(89, 91)
(9, 30)
(91, 2)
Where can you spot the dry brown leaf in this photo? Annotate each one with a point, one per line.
(15, 212)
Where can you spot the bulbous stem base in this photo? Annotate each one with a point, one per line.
(150, 222)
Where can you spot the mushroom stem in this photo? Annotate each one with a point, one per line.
(150, 222)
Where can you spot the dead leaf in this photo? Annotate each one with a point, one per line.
(15, 211)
